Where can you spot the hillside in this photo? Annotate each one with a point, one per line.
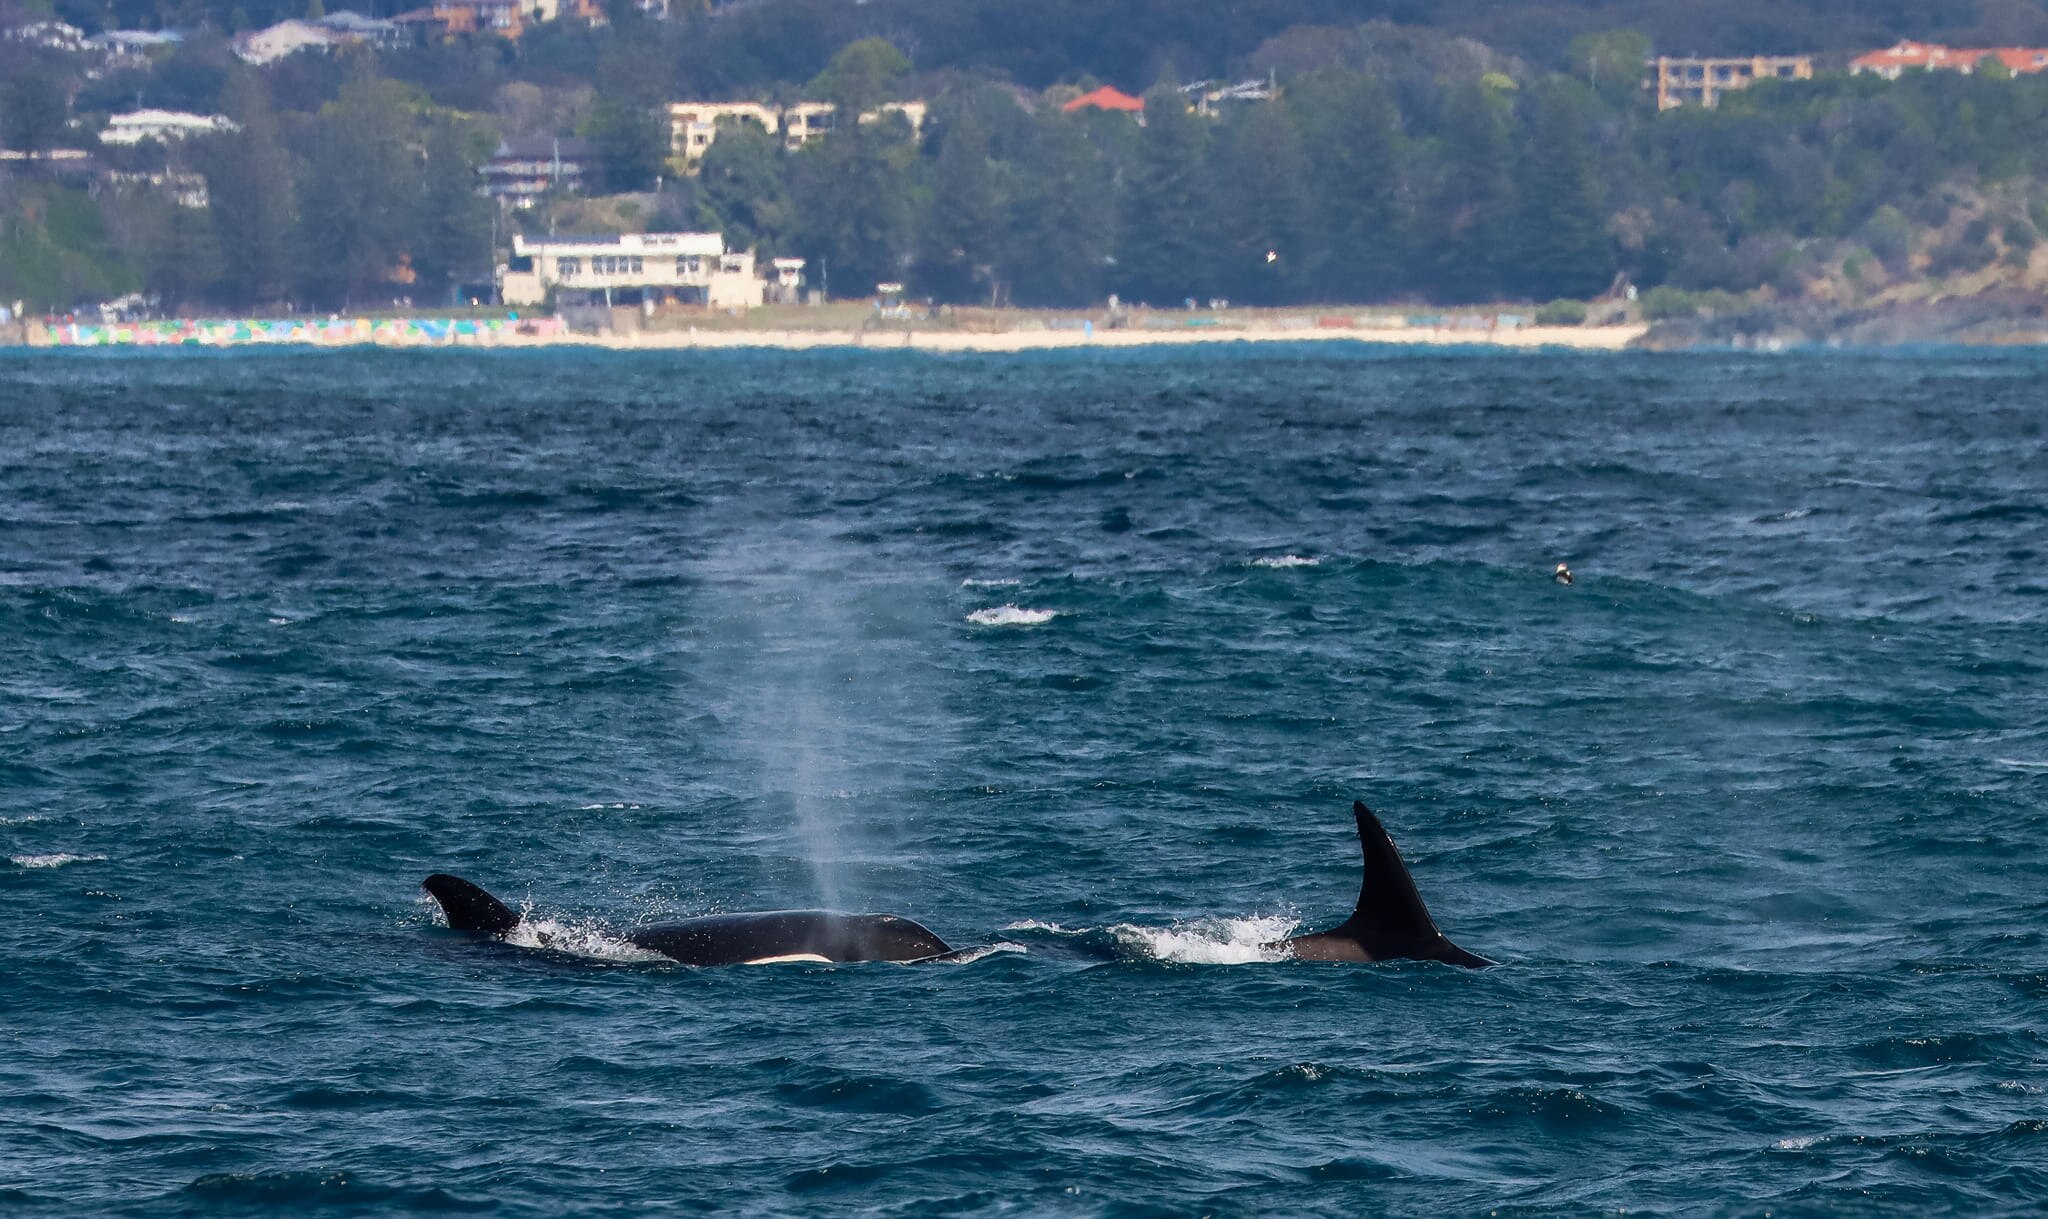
(1442, 154)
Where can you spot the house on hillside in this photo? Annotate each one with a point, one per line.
(357, 28)
(693, 126)
(807, 121)
(1108, 97)
(272, 43)
(1893, 62)
(1212, 98)
(49, 35)
(505, 18)
(648, 269)
(163, 126)
(1701, 82)
(131, 48)
(527, 166)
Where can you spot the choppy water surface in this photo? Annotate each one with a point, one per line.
(1086, 654)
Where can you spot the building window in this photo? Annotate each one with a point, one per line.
(569, 267)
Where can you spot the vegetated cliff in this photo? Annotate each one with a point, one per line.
(1978, 273)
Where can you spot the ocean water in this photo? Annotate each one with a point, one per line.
(1082, 655)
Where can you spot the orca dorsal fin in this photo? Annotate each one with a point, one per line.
(1389, 906)
(468, 907)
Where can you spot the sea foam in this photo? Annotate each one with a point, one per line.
(1011, 615)
(1213, 941)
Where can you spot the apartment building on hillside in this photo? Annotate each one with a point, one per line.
(1701, 82)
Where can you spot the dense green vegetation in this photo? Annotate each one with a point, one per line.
(1473, 151)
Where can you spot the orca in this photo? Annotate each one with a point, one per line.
(763, 938)
(1390, 923)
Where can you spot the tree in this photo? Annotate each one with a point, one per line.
(32, 110)
(1164, 246)
(859, 76)
(1265, 250)
(361, 192)
(965, 222)
(1063, 217)
(249, 178)
(631, 143)
(1611, 64)
(743, 188)
(854, 203)
(1354, 141)
(1461, 246)
(453, 237)
(184, 258)
(1562, 242)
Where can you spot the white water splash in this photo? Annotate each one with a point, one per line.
(1287, 560)
(1213, 941)
(591, 808)
(1010, 615)
(2023, 763)
(579, 939)
(968, 956)
(52, 861)
(1032, 924)
(972, 582)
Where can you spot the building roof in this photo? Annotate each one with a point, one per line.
(711, 244)
(347, 21)
(1907, 55)
(544, 148)
(1108, 97)
(138, 125)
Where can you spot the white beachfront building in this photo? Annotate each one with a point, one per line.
(658, 268)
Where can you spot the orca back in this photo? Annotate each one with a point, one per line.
(735, 939)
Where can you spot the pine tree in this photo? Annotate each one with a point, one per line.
(1561, 243)
(1063, 217)
(743, 189)
(361, 193)
(453, 236)
(855, 209)
(1354, 139)
(961, 238)
(1462, 249)
(1165, 244)
(1266, 249)
(249, 186)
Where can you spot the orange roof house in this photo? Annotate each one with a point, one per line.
(1107, 97)
(1931, 57)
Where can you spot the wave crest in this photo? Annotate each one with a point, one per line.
(1011, 615)
(1213, 941)
(52, 861)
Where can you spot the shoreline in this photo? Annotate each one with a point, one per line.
(513, 333)
(1582, 338)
